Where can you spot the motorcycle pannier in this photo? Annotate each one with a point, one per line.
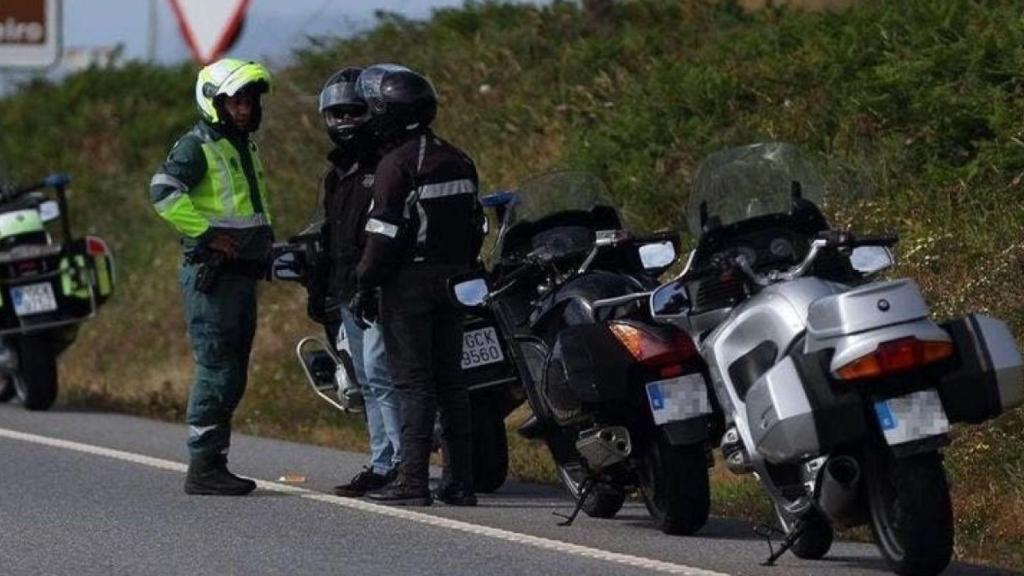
(795, 411)
(986, 377)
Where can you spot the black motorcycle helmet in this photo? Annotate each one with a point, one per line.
(399, 100)
(343, 109)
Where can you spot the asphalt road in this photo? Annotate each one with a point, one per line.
(93, 493)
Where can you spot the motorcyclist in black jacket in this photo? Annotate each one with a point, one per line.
(425, 225)
(348, 190)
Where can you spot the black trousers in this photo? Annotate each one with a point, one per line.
(423, 336)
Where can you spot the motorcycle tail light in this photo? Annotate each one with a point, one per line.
(653, 351)
(95, 246)
(895, 357)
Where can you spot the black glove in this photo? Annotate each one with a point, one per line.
(364, 307)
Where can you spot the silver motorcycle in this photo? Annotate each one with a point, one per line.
(838, 388)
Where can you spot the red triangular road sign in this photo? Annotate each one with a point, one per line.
(210, 27)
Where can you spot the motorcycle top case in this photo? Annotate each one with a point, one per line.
(985, 377)
(855, 322)
(864, 308)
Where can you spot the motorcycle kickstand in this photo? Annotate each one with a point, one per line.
(585, 488)
(787, 542)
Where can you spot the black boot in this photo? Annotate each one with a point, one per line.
(363, 482)
(455, 494)
(210, 476)
(401, 493)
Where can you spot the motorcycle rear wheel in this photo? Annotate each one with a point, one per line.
(911, 512)
(817, 538)
(675, 485)
(36, 385)
(490, 445)
(7, 390)
(603, 501)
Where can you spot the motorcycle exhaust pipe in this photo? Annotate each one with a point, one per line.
(839, 490)
(603, 447)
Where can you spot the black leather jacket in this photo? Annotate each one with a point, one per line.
(348, 191)
(425, 210)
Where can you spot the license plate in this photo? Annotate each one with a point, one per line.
(33, 299)
(679, 398)
(912, 417)
(480, 347)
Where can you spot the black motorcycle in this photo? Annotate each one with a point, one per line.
(620, 401)
(48, 286)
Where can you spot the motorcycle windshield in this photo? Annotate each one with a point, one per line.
(555, 192)
(749, 182)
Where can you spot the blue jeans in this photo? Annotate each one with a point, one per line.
(379, 397)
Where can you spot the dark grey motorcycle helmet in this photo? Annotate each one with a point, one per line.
(343, 108)
(399, 100)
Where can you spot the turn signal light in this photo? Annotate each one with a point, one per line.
(650, 350)
(95, 246)
(895, 357)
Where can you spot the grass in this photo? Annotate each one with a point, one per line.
(914, 109)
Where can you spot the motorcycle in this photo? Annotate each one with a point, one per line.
(47, 288)
(620, 401)
(838, 387)
(329, 371)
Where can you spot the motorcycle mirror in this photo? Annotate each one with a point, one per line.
(287, 266)
(469, 292)
(499, 198)
(49, 211)
(670, 301)
(57, 180)
(657, 256)
(870, 260)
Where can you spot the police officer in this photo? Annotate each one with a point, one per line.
(348, 190)
(212, 190)
(425, 225)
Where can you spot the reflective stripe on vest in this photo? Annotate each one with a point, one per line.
(223, 195)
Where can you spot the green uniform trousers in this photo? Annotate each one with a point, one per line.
(221, 326)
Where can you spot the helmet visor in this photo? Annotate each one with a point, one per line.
(250, 74)
(340, 94)
(370, 79)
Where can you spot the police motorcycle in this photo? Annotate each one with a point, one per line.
(620, 401)
(839, 388)
(330, 373)
(47, 288)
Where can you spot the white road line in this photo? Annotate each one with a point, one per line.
(394, 512)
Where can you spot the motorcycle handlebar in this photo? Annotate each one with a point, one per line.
(825, 240)
(840, 239)
(665, 236)
(519, 273)
(886, 240)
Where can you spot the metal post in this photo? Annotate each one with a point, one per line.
(153, 29)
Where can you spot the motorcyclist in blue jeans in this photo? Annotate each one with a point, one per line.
(347, 190)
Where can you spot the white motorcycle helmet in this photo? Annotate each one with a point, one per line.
(225, 78)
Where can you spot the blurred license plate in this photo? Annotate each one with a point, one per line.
(480, 347)
(912, 417)
(33, 299)
(678, 398)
